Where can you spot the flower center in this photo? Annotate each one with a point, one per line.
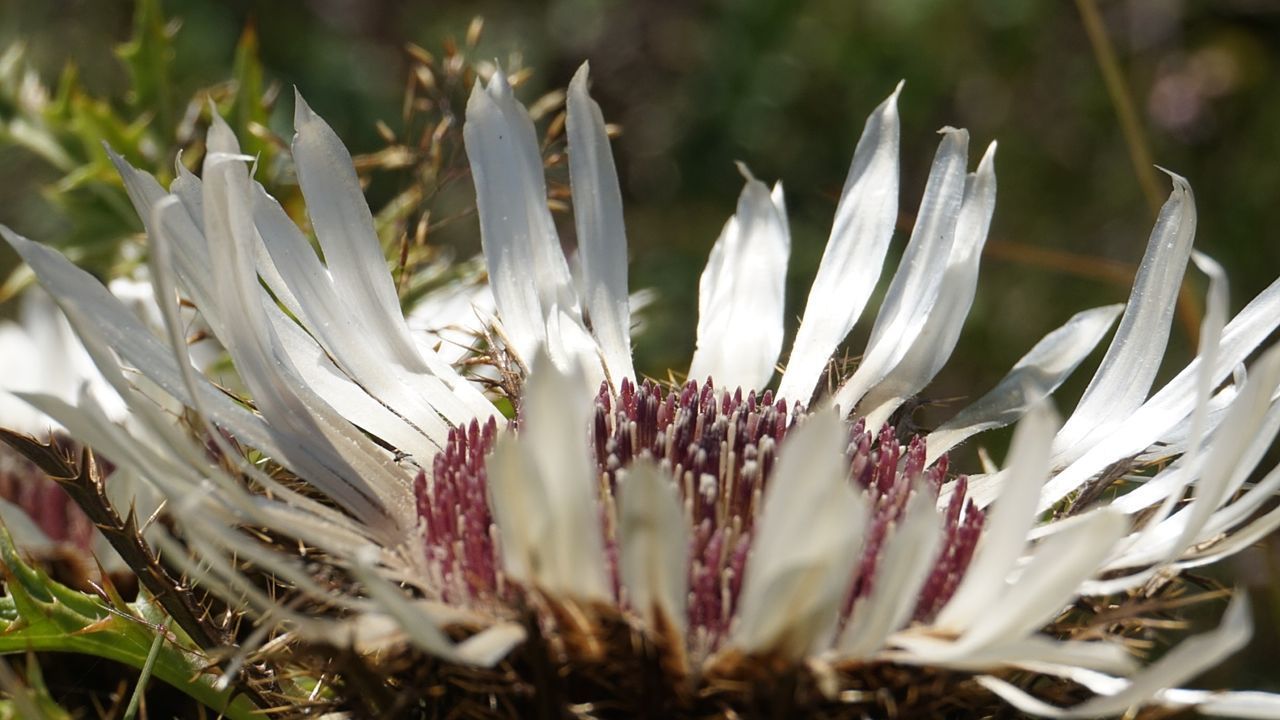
(719, 448)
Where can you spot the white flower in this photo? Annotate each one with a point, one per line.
(41, 354)
(729, 523)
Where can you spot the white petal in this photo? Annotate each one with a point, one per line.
(1048, 582)
(1005, 533)
(527, 268)
(574, 351)
(484, 649)
(602, 238)
(804, 552)
(190, 191)
(1210, 338)
(914, 288)
(905, 562)
(653, 540)
(142, 188)
(344, 227)
(1038, 653)
(518, 496)
(1223, 704)
(351, 400)
(168, 457)
(186, 186)
(190, 252)
(1123, 379)
(543, 490)
(556, 415)
(1237, 448)
(1035, 375)
(937, 339)
(1183, 662)
(742, 292)
(854, 256)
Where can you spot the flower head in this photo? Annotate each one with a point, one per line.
(695, 547)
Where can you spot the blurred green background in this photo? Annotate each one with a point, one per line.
(785, 86)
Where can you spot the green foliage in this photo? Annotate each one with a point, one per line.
(67, 128)
(39, 614)
(36, 703)
(149, 58)
(249, 108)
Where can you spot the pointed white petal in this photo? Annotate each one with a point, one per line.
(168, 457)
(1223, 704)
(1241, 439)
(556, 416)
(1210, 338)
(351, 400)
(315, 368)
(602, 238)
(1021, 699)
(520, 505)
(543, 490)
(1035, 375)
(186, 186)
(905, 562)
(937, 339)
(527, 268)
(483, 649)
(1173, 403)
(742, 293)
(1123, 379)
(1005, 533)
(142, 188)
(653, 540)
(190, 253)
(344, 227)
(854, 256)
(1048, 582)
(914, 288)
(190, 191)
(1038, 653)
(803, 555)
(1183, 662)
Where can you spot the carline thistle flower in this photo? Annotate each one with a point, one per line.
(624, 547)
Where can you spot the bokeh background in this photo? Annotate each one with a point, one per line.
(785, 87)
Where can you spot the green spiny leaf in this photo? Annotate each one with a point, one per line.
(249, 111)
(36, 703)
(149, 57)
(39, 614)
